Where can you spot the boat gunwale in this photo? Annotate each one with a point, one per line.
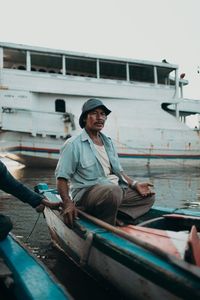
(22, 278)
(146, 264)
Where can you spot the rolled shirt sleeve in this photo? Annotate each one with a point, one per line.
(67, 162)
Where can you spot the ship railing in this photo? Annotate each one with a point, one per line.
(37, 122)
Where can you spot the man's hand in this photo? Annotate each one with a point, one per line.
(144, 189)
(69, 213)
(47, 203)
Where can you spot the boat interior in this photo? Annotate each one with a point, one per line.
(160, 230)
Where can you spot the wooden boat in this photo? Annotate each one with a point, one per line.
(23, 276)
(159, 258)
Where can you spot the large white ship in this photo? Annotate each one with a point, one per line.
(42, 92)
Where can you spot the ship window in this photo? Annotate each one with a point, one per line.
(46, 62)
(13, 58)
(143, 73)
(166, 76)
(81, 67)
(60, 105)
(112, 70)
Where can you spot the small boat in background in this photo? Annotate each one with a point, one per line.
(23, 276)
(157, 258)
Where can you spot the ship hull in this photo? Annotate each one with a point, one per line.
(44, 152)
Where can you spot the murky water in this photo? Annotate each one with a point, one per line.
(174, 187)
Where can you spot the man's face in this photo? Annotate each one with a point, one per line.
(95, 119)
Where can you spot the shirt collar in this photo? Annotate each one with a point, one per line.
(85, 136)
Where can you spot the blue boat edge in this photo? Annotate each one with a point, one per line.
(32, 280)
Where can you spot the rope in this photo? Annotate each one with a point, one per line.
(27, 239)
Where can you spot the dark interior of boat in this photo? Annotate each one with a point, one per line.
(172, 222)
(6, 282)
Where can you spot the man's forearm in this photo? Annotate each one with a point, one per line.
(69, 212)
(63, 190)
(128, 179)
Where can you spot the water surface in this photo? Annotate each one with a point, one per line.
(174, 187)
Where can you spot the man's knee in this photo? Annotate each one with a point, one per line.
(5, 226)
(148, 201)
(115, 195)
(151, 199)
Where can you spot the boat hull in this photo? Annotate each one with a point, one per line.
(130, 269)
(44, 152)
(108, 268)
(32, 281)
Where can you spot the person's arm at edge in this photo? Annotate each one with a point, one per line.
(14, 187)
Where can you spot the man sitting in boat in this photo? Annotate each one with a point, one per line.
(12, 186)
(89, 164)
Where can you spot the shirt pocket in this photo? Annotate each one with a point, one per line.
(88, 168)
(87, 162)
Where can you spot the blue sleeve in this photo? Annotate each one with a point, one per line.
(12, 186)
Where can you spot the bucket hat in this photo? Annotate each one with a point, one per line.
(90, 105)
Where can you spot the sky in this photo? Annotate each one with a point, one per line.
(137, 29)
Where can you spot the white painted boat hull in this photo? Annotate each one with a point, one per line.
(102, 265)
(44, 152)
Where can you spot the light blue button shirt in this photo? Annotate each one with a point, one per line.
(79, 163)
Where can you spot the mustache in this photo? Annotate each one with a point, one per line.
(100, 122)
